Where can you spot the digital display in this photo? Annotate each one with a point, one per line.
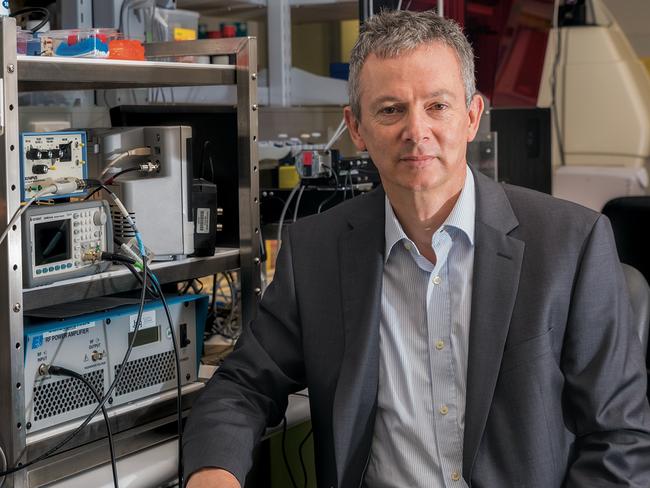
(52, 242)
(145, 336)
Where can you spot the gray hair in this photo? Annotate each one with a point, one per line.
(390, 33)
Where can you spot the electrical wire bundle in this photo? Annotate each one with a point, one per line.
(223, 318)
(149, 284)
(340, 130)
(53, 369)
(300, 187)
(29, 10)
(156, 292)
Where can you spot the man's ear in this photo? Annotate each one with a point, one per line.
(353, 128)
(474, 116)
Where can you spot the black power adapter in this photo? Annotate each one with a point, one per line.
(204, 213)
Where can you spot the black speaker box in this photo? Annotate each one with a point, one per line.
(523, 146)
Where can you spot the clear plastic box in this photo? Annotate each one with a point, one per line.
(176, 25)
(82, 43)
(22, 39)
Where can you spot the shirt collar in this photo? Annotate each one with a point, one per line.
(461, 217)
(463, 214)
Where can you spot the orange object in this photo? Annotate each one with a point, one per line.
(126, 49)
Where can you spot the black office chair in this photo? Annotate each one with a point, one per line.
(630, 217)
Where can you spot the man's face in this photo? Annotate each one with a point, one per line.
(414, 120)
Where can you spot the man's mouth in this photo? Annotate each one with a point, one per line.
(417, 160)
(426, 157)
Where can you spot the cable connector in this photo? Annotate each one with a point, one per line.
(50, 369)
(60, 185)
(44, 369)
(92, 255)
(87, 184)
(117, 157)
(109, 256)
(136, 151)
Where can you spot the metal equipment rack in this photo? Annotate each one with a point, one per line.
(22, 73)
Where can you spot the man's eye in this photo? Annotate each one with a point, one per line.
(438, 106)
(388, 110)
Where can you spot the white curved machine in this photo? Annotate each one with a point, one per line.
(603, 100)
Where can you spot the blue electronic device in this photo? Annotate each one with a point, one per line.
(49, 156)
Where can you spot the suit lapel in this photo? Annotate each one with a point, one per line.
(497, 265)
(361, 252)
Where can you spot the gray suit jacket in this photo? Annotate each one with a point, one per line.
(556, 383)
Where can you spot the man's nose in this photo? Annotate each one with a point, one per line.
(418, 127)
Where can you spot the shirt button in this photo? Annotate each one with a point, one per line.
(443, 409)
(437, 280)
(455, 476)
(408, 246)
(440, 345)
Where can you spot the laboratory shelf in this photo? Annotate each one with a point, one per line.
(150, 421)
(57, 73)
(234, 7)
(118, 279)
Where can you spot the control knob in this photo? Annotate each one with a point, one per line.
(40, 169)
(99, 218)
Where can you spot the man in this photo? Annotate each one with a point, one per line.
(452, 331)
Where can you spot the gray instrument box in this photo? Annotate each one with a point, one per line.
(55, 238)
(158, 202)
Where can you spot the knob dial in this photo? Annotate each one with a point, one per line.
(99, 218)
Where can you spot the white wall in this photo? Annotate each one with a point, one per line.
(634, 18)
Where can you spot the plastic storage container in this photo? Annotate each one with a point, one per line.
(129, 49)
(82, 43)
(23, 37)
(176, 25)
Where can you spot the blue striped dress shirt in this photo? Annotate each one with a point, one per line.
(424, 336)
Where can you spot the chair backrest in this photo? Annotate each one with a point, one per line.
(630, 217)
(640, 299)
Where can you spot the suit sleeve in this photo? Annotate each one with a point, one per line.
(249, 391)
(605, 390)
